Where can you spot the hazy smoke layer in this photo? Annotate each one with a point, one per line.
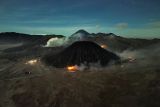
(144, 58)
(92, 67)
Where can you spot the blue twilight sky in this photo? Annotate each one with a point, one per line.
(129, 18)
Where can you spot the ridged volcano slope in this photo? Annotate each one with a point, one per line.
(81, 52)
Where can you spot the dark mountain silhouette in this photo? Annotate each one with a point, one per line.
(80, 35)
(14, 37)
(82, 31)
(81, 52)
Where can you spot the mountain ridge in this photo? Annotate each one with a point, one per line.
(112, 41)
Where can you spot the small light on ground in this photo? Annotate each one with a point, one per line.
(32, 62)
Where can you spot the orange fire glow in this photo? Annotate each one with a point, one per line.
(72, 68)
(104, 46)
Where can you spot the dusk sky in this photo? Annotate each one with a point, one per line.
(129, 18)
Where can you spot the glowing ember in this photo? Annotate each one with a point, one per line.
(72, 68)
(104, 46)
(32, 62)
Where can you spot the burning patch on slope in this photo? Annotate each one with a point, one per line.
(104, 46)
(72, 68)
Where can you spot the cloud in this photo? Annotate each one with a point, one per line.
(155, 24)
(121, 25)
(98, 26)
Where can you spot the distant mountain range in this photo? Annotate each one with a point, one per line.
(84, 34)
(112, 41)
(14, 37)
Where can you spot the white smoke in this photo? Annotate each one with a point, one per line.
(55, 42)
(129, 54)
(85, 66)
(82, 67)
(95, 66)
(91, 66)
(147, 58)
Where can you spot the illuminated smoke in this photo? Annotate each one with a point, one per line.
(32, 62)
(82, 67)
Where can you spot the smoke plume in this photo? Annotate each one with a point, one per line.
(55, 42)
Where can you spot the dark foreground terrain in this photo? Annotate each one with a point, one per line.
(59, 88)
